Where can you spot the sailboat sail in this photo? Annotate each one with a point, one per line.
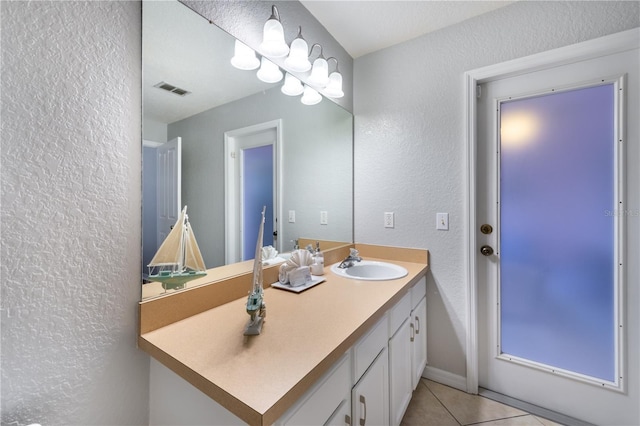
(169, 251)
(193, 257)
(178, 260)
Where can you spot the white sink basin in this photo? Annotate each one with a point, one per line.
(371, 270)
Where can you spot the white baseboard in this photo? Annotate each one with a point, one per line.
(445, 378)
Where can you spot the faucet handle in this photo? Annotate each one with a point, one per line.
(353, 252)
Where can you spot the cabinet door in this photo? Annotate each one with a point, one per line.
(419, 358)
(321, 401)
(400, 371)
(370, 396)
(342, 415)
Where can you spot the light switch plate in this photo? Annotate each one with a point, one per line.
(442, 221)
(292, 216)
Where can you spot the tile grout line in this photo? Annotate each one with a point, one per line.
(441, 403)
(479, 423)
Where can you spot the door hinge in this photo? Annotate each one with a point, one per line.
(478, 91)
(233, 154)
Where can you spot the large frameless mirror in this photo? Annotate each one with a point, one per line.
(222, 142)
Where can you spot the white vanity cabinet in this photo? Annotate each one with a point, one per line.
(418, 319)
(325, 399)
(407, 349)
(419, 346)
(342, 415)
(400, 372)
(370, 396)
(356, 387)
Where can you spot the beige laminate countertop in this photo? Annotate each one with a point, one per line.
(259, 377)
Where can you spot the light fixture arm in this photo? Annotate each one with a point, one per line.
(311, 50)
(330, 58)
(274, 13)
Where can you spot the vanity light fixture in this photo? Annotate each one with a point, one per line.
(244, 57)
(273, 43)
(310, 96)
(320, 71)
(269, 72)
(298, 59)
(334, 87)
(292, 86)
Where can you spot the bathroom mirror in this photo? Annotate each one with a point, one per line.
(312, 160)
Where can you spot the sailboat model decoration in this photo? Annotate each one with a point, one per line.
(178, 260)
(255, 303)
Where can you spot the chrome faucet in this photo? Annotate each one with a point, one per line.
(350, 260)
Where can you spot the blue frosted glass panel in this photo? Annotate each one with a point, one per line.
(257, 192)
(556, 240)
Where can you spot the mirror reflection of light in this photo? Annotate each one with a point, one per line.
(518, 128)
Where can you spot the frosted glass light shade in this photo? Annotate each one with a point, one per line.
(273, 43)
(298, 59)
(334, 88)
(269, 72)
(292, 86)
(319, 73)
(310, 96)
(244, 57)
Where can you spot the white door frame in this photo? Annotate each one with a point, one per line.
(591, 49)
(232, 216)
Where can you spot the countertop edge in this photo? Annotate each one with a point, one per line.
(234, 405)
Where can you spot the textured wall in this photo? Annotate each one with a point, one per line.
(71, 214)
(409, 138)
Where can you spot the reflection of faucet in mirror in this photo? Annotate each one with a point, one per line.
(221, 100)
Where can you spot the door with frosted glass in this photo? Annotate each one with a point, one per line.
(257, 190)
(251, 182)
(551, 179)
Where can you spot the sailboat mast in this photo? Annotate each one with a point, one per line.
(257, 264)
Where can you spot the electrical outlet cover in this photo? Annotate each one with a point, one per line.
(388, 220)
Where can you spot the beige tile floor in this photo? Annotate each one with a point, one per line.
(434, 404)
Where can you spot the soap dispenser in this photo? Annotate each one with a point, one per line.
(317, 267)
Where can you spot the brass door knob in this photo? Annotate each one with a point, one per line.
(486, 250)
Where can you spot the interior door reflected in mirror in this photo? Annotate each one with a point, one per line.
(192, 92)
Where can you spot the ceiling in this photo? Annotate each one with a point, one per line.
(364, 26)
(181, 48)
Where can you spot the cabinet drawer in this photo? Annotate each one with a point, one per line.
(368, 348)
(321, 401)
(418, 291)
(399, 313)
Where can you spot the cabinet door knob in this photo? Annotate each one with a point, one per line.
(417, 324)
(363, 419)
(347, 420)
(413, 334)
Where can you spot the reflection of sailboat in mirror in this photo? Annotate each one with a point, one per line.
(178, 260)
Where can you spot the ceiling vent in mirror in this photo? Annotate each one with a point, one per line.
(170, 88)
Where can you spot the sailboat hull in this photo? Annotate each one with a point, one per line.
(176, 281)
